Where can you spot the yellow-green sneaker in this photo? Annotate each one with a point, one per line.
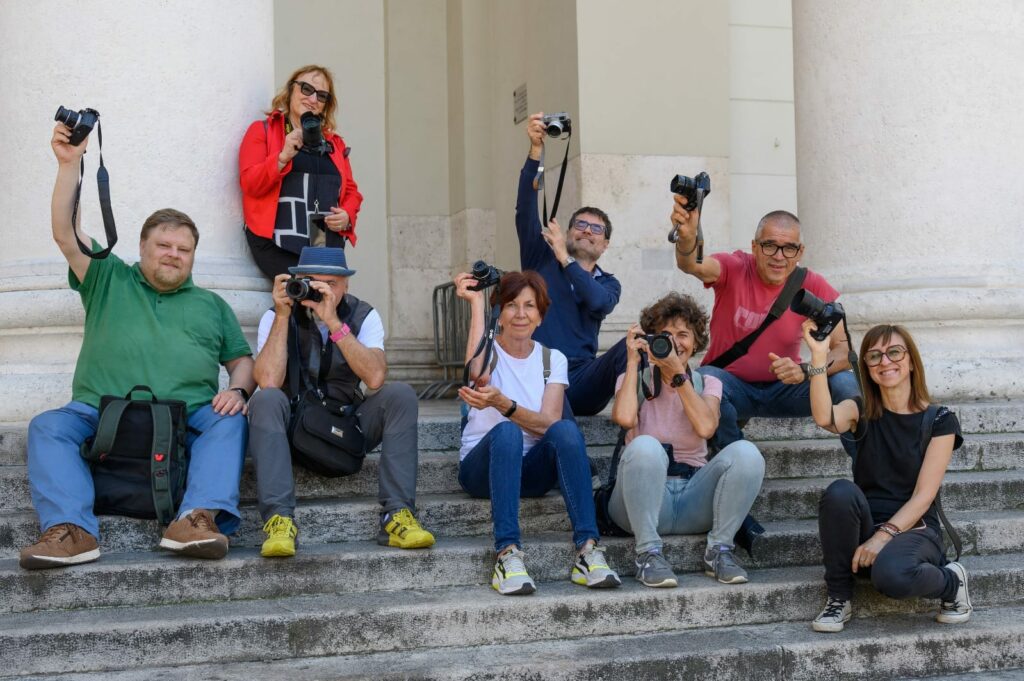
(281, 533)
(400, 528)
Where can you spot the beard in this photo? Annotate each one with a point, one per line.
(167, 279)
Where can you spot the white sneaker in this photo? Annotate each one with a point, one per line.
(591, 569)
(959, 610)
(510, 577)
(834, 617)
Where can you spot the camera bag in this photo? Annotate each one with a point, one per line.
(139, 457)
(324, 433)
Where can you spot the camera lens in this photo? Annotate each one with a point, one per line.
(67, 117)
(481, 269)
(807, 304)
(661, 346)
(312, 135)
(297, 289)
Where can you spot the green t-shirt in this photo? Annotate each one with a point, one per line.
(173, 342)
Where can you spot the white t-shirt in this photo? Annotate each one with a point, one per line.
(521, 380)
(371, 333)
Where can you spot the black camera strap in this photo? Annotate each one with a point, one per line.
(484, 347)
(103, 188)
(793, 283)
(558, 188)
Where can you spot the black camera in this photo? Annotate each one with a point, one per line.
(693, 188)
(313, 134)
(661, 344)
(826, 315)
(299, 288)
(81, 122)
(556, 124)
(486, 276)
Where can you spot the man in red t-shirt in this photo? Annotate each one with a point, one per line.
(769, 380)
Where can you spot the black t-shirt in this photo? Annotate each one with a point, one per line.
(889, 458)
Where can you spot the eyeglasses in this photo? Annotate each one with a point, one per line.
(770, 248)
(322, 96)
(894, 352)
(593, 227)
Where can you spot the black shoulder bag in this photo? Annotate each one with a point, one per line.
(324, 433)
(138, 457)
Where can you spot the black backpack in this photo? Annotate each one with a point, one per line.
(138, 456)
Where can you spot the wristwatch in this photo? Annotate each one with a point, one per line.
(511, 410)
(678, 380)
(243, 392)
(568, 261)
(816, 371)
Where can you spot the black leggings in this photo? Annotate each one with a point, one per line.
(270, 258)
(909, 566)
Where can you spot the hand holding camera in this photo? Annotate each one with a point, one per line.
(465, 287)
(65, 152)
(283, 303)
(819, 348)
(555, 238)
(689, 203)
(292, 144)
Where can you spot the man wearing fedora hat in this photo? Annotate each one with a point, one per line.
(387, 414)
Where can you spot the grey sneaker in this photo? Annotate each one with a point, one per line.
(720, 564)
(591, 569)
(835, 615)
(959, 610)
(510, 577)
(652, 569)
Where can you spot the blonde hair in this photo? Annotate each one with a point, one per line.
(283, 99)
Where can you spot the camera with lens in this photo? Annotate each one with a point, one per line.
(313, 134)
(299, 288)
(81, 122)
(486, 276)
(556, 124)
(826, 315)
(693, 188)
(660, 344)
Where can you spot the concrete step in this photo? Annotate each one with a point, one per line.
(312, 626)
(154, 578)
(438, 471)
(907, 645)
(458, 515)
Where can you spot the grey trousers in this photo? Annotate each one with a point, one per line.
(387, 418)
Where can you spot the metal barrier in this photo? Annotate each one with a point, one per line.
(451, 327)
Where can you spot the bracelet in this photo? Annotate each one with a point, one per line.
(340, 333)
(243, 392)
(889, 529)
(511, 410)
(815, 371)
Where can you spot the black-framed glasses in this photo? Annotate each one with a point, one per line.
(593, 227)
(322, 96)
(770, 248)
(894, 352)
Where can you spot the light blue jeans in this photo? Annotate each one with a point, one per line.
(61, 482)
(715, 500)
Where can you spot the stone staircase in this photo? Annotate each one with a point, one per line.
(346, 608)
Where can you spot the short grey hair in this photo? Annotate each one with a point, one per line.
(782, 216)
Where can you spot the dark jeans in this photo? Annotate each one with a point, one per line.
(496, 468)
(592, 381)
(909, 566)
(742, 400)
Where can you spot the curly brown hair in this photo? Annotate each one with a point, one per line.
(677, 305)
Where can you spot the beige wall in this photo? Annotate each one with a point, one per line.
(348, 37)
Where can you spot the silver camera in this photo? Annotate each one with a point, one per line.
(556, 124)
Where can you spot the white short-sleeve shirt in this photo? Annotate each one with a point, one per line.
(371, 333)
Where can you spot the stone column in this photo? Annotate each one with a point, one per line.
(176, 85)
(909, 146)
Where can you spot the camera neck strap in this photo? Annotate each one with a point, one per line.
(103, 188)
(781, 304)
(485, 347)
(558, 188)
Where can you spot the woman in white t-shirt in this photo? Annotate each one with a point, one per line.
(515, 443)
(665, 482)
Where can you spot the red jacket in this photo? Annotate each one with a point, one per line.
(261, 181)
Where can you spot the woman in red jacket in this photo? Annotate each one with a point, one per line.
(294, 194)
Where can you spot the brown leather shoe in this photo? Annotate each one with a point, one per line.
(60, 545)
(196, 536)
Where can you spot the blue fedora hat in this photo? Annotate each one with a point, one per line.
(322, 260)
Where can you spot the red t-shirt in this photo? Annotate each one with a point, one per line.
(742, 302)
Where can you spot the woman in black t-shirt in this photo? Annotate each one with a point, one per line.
(885, 522)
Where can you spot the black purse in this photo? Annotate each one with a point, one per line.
(324, 434)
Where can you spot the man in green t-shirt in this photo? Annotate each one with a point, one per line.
(145, 324)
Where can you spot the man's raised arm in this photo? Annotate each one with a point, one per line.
(686, 248)
(63, 201)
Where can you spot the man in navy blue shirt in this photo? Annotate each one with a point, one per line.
(582, 294)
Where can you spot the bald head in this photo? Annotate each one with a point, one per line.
(780, 218)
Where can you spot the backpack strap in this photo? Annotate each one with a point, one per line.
(740, 348)
(927, 424)
(545, 358)
(106, 432)
(160, 462)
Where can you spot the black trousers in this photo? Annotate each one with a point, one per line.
(910, 566)
(270, 258)
(592, 381)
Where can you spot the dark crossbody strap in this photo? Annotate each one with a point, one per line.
(927, 423)
(740, 348)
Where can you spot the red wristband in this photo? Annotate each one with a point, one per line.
(340, 333)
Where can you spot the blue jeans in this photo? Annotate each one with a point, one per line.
(742, 400)
(496, 468)
(592, 381)
(61, 482)
(715, 500)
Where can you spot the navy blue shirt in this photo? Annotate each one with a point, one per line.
(579, 300)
